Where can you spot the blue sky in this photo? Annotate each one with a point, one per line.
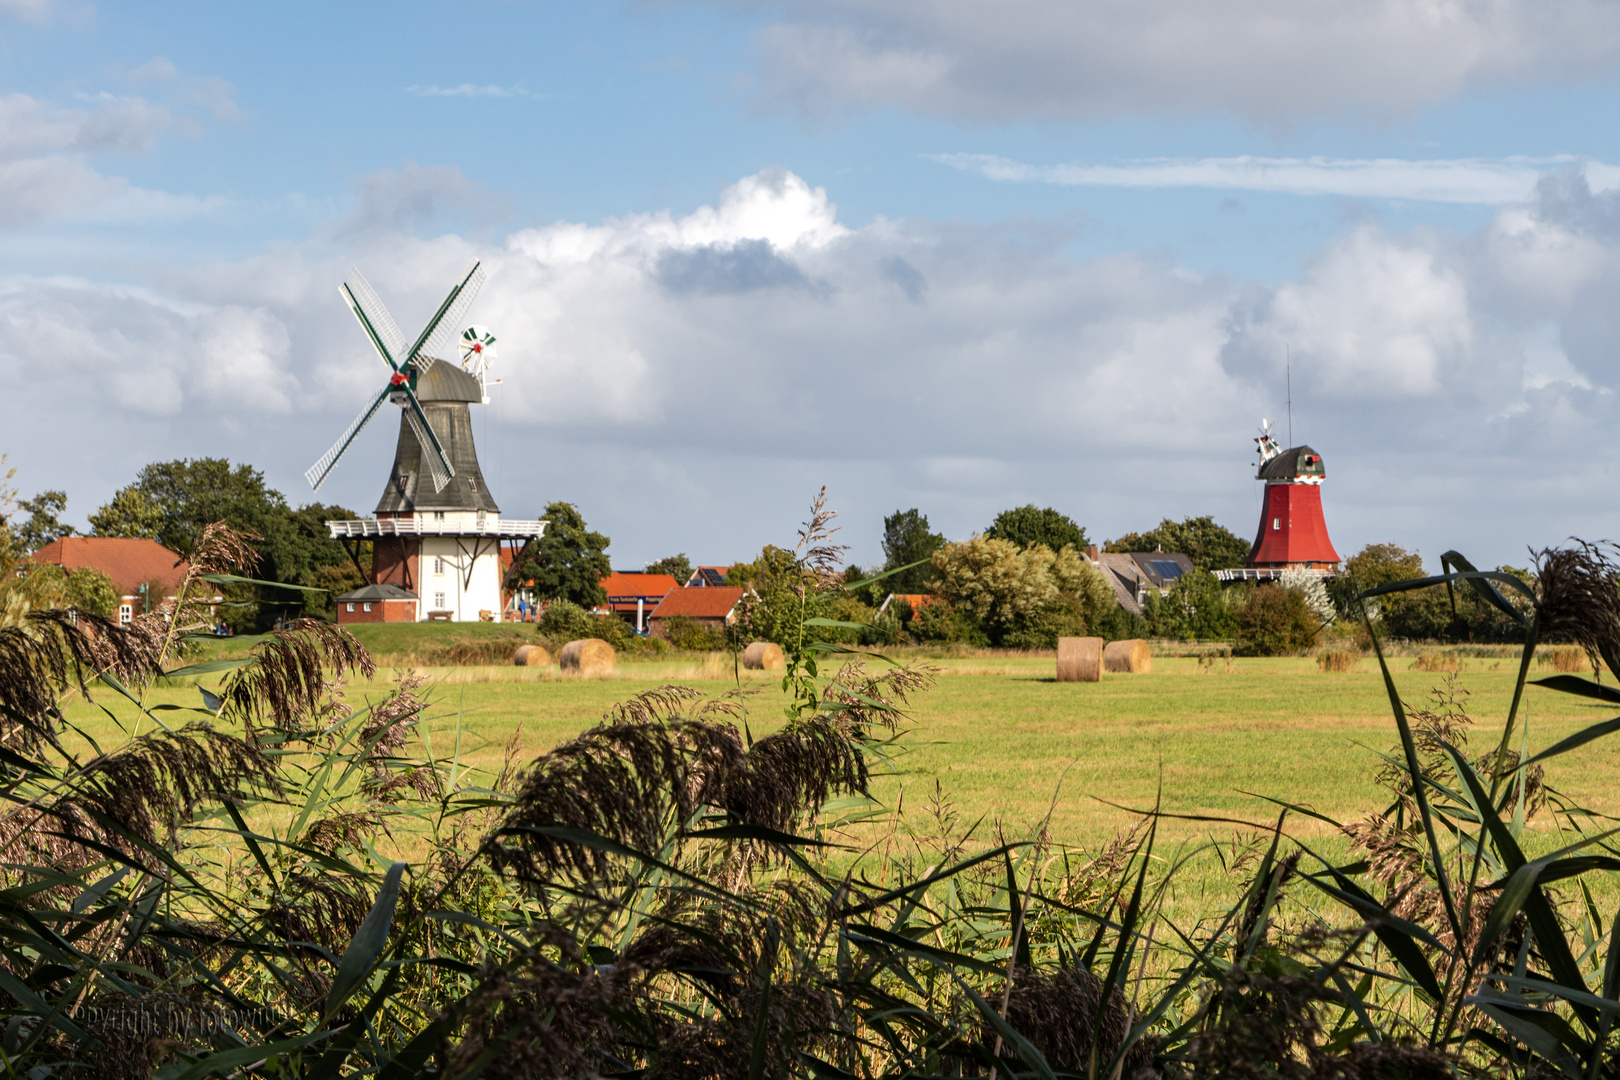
(952, 255)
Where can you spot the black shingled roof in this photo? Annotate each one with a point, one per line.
(1298, 461)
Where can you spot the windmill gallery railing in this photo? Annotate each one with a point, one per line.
(1268, 573)
(486, 526)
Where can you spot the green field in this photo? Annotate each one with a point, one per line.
(997, 735)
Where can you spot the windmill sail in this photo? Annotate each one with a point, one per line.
(439, 336)
(438, 464)
(379, 324)
(318, 472)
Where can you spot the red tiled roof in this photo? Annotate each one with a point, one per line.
(128, 562)
(699, 602)
(633, 584)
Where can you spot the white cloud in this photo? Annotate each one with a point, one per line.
(46, 149)
(1274, 61)
(1485, 181)
(34, 11)
(690, 378)
(1374, 319)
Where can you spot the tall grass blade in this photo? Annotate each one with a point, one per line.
(361, 955)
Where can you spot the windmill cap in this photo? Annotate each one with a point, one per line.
(447, 382)
(1291, 463)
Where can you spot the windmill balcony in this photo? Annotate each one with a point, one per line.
(430, 524)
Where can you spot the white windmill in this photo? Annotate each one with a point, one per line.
(407, 366)
(435, 545)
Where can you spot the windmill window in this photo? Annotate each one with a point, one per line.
(126, 612)
(351, 607)
(1276, 524)
(438, 600)
(472, 483)
(438, 515)
(366, 607)
(438, 567)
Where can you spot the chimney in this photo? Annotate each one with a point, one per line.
(1091, 552)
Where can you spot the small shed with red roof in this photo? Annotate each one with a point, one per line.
(129, 562)
(708, 605)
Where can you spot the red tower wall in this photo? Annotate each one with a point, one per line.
(1292, 531)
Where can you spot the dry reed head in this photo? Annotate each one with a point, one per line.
(1056, 1011)
(1580, 598)
(147, 790)
(287, 682)
(818, 558)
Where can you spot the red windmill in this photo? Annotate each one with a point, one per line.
(1292, 532)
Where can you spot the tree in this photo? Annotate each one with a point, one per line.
(906, 540)
(1208, 545)
(567, 563)
(129, 513)
(42, 525)
(1027, 526)
(1275, 621)
(678, 567)
(171, 502)
(1024, 598)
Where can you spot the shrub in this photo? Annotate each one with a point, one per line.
(941, 623)
(1275, 622)
(684, 632)
(1448, 662)
(1565, 658)
(565, 621)
(1337, 660)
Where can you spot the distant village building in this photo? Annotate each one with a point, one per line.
(707, 576)
(144, 573)
(915, 601)
(377, 603)
(633, 595)
(708, 605)
(1131, 574)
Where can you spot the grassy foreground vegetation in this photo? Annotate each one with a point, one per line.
(291, 867)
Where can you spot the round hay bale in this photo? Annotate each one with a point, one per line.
(1128, 657)
(764, 656)
(588, 656)
(1079, 659)
(531, 656)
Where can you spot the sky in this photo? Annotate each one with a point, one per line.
(946, 255)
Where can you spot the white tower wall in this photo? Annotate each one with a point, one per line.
(461, 575)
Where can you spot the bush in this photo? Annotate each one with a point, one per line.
(940, 623)
(565, 621)
(1040, 630)
(684, 632)
(1337, 660)
(1275, 622)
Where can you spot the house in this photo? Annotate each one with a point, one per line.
(138, 568)
(1133, 573)
(632, 595)
(916, 601)
(376, 603)
(710, 605)
(707, 576)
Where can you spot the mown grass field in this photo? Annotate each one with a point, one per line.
(1000, 739)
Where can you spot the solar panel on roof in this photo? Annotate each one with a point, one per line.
(1166, 568)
